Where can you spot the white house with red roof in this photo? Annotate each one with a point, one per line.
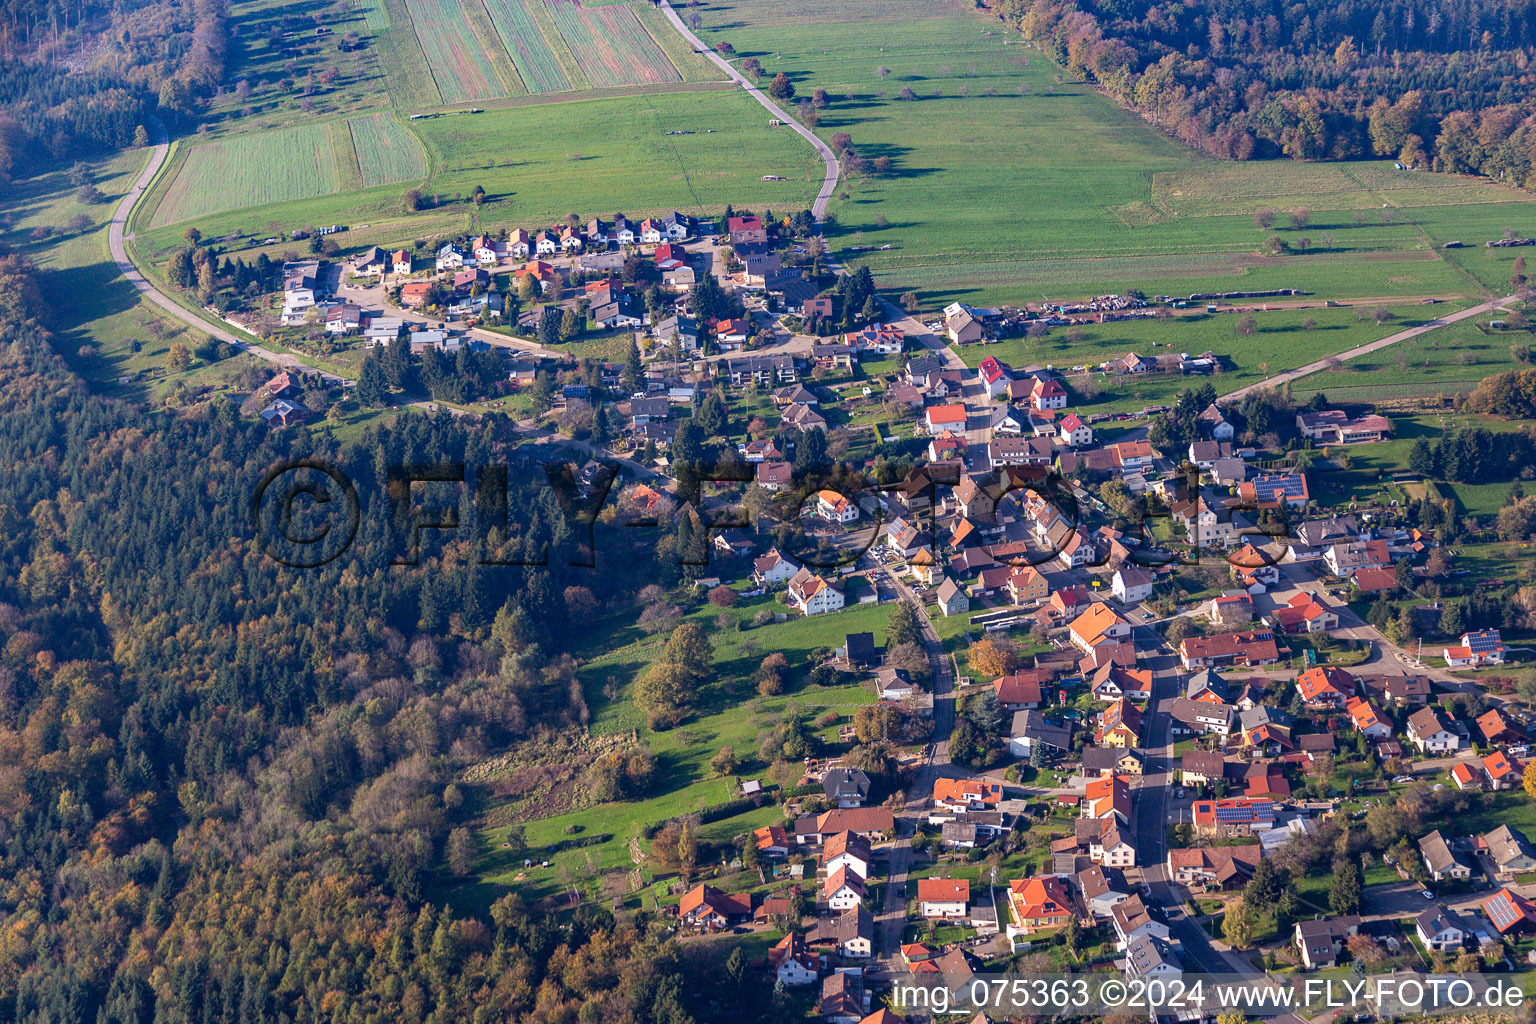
(811, 594)
(943, 897)
(1503, 772)
(1073, 431)
(1484, 647)
(1048, 394)
(945, 417)
(994, 376)
(835, 507)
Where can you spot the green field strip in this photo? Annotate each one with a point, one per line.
(251, 170)
(491, 44)
(147, 209)
(459, 63)
(526, 46)
(375, 16)
(410, 78)
(349, 175)
(693, 66)
(612, 47)
(569, 66)
(387, 151)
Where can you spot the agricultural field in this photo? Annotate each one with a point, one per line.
(1448, 361)
(610, 44)
(540, 67)
(594, 155)
(464, 66)
(1063, 195)
(246, 170)
(386, 151)
(398, 55)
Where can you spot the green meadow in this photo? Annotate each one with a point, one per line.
(730, 713)
(1011, 182)
(1450, 360)
(541, 161)
(101, 327)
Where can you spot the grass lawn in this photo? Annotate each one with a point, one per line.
(1112, 202)
(1367, 476)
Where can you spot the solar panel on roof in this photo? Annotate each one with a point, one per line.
(1485, 640)
(1502, 911)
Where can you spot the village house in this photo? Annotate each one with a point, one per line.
(1030, 729)
(1271, 490)
(845, 787)
(1037, 903)
(812, 594)
(1484, 647)
(771, 841)
(1326, 685)
(1442, 859)
(1021, 690)
(943, 898)
(792, 961)
(1509, 850)
(1098, 623)
(951, 599)
(1321, 942)
(843, 889)
(1510, 912)
(1248, 649)
(1441, 929)
(1334, 426)
(1132, 921)
(1233, 816)
(961, 327)
(1226, 868)
(843, 999)
(1429, 732)
(706, 907)
(850, 850)
(1132, 584)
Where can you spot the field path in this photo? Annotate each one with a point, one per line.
(117, 245)
(1372, 346)
(829, 183)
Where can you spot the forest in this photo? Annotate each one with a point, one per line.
(1436, 85)
(226, 786)
(78, 79)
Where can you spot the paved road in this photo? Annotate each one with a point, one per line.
(117, 245)
(892, 918)
(829, 183)
(1380, 343)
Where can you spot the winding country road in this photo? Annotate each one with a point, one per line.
(117, 245)
(829, 183)
(1379, 343)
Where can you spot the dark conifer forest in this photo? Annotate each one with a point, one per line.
(226, 785)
